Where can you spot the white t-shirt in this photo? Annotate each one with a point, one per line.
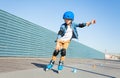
(68, 34)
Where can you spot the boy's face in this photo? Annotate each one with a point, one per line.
(68, 21)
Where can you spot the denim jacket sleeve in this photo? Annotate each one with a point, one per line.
(60, 33)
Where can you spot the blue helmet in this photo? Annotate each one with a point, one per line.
(68, 15)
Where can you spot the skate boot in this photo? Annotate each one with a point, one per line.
(50, 65)
(60, 66)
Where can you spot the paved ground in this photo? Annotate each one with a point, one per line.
(34, 68)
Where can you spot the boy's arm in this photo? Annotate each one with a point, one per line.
(60, 32)
(58, 35)
(87, 23)
(81, 25)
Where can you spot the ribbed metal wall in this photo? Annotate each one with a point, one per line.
(19, 37)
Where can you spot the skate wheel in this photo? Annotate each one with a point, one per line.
(46, 69)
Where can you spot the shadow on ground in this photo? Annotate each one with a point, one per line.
(43, 66)
(92, 72)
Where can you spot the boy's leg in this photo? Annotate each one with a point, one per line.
(62, 58)
(55, 53)
(63, 51)
(57, 50)
(63, 54)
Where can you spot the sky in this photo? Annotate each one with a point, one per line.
(103, 36)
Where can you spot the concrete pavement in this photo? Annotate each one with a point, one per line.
(34, 68)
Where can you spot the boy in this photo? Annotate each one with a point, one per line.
(66, 33)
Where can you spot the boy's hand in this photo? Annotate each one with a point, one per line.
(92, 22)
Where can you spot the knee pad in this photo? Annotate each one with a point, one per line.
(63, 52)
(56, 52)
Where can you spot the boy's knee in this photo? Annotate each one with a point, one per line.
(56, 52)
(63, 52)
